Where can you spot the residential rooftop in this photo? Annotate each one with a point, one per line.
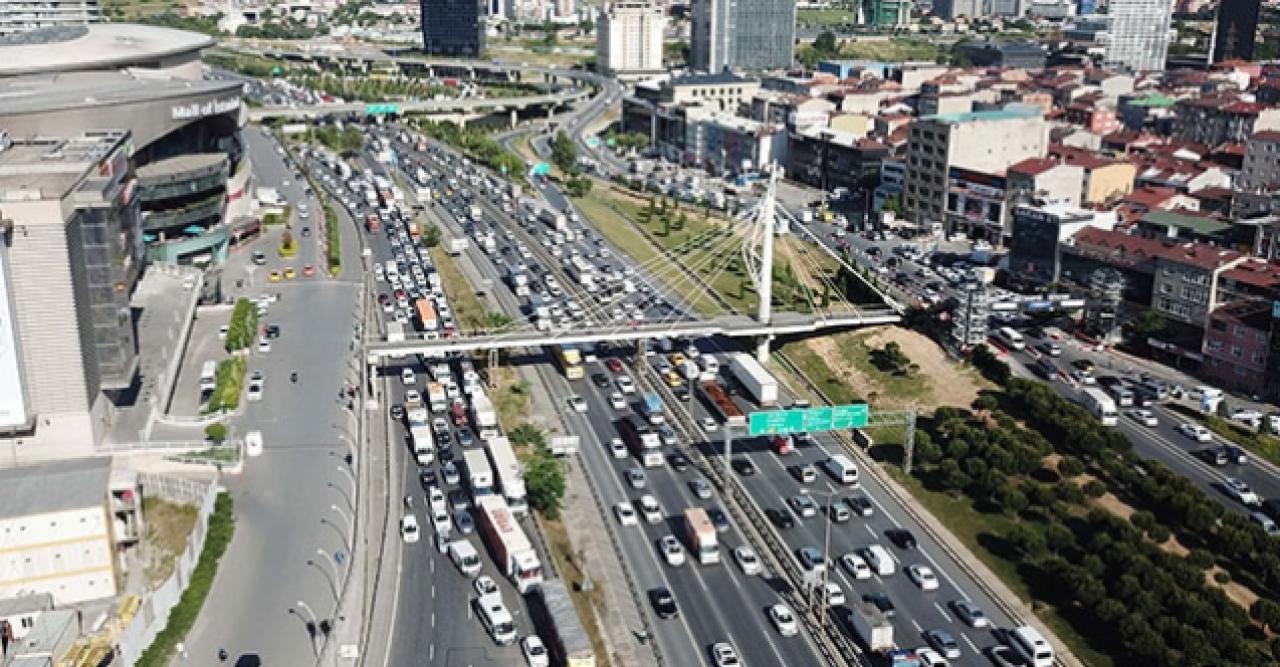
(56, 486)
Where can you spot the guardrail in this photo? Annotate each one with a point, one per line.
(834, 646)
(908, 505)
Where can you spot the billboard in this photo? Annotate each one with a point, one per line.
(13, 404)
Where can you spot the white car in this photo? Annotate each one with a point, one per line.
(617, 401)
(408, 377)
(409, 529)
(724, 655)
(485, 585)
(710, 425)
(835, 594)
(626, 514)
(971, 614)
(577, 404)
(255, 390)
(923, 577)
(671, 550)
(747, 559)
(1144, 417)
(856, 565)
(618, 448)
(650, 509)
(535, 652)
(1195, 432)
(784, 620)
(931, 658)
(264, 345)
(1238, 489)
(626, 385)
(253, 443)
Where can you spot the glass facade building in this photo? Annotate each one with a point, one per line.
(1236, 30)
(1138, 35)
(453, 27)
(743, 34)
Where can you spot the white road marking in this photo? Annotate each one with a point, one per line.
(968, 641)
(917, 625)
(941, 610)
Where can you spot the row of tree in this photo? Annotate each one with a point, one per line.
(543, 474)
(479, 146)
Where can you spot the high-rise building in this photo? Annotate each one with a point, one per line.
(743, 34)
(629, 37)
(1235, 30)
(884, 13)
(453, 27)
(950, 9)
(27, 15)
(1138, 35)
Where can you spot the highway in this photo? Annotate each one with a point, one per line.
(705, 617)
(918, 611)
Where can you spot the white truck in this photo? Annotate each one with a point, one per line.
(1100, 404)
(483, 415)
(479, 473)
(457, 246)
(423, 444)
(395, 334)
(702, 536)
(508, 473)
(875, 631)
(754, 378)
(513, 553)
(476, 213)
(437, 398)
(553, 219)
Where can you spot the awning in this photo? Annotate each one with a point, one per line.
(194, 230)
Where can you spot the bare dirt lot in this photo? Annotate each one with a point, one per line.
(938, 380)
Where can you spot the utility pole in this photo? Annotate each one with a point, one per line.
(765, 284)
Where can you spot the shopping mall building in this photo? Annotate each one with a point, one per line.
(116, 154)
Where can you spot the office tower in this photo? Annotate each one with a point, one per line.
(1138, 35)
(950, 9)
(1235, 30)
(629, 37)
(743, 34)
(27, 15)
(884, 13)
(453, 27)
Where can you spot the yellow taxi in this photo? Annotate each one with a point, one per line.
(677, 359)
(289, 273)
(674, 380)
(274, 276)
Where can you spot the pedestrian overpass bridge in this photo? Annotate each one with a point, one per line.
(732, 326)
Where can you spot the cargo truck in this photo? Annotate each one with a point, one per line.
(395, 334)
(479, 474)
(510, 478)
(872, 628)
(754, 378)
(477, 214)
(643, 443)
(1099, 403)
(702, 536)
(486, 418)
(653, 408)
(437, 398)
(722, 403)
(513, 553)
(423, 444)
(557, 622)
(457, 246)
(553, 219)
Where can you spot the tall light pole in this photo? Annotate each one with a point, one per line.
(350, 544)
(311, 622)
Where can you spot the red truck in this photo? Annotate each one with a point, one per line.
(459, 412)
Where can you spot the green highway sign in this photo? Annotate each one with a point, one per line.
(592, 142)
(541, 169)
(827, 418)
(381, 109)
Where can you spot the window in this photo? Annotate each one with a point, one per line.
(1214, 345)
(27, 622)
(1260, 336)
(1237, 331)
(1217, 325)
(1237, 351)
(1258, 357)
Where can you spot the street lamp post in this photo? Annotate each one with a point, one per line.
(311, 622)
(350, 522)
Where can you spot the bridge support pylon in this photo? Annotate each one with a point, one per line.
(764, 347)
(515, 118)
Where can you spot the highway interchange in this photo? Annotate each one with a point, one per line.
(432, 624)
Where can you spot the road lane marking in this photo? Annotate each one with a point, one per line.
(968, 641)
(917, 625)
(945, 615)
(433, 619)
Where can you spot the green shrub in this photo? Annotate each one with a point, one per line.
(184, 614)
(226, 394)
(216, 431)
(243, 327)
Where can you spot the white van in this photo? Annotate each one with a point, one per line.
(842, 469)
(496, 619)
(1031, 645)
(879, 559)
(208, 376)
(465, 556)
(709, 363)
(1265, 521)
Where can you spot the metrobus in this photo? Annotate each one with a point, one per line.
(208, 377)
(1010, 338)
(569, 357)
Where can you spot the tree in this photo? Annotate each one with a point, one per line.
(544, 481)
(1148, 324)
(430, 235)
(825, 44)
(216, 432)
(564, 154)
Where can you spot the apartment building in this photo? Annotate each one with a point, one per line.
(629, 38)
(1138, 35)
(986, 142)
(1214, 119)
(1260, 170)
(742, 35)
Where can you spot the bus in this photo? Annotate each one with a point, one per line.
(569, 357)
(1010, 338)
(645, 444)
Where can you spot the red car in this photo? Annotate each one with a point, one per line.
(614, 365)
(308, 270)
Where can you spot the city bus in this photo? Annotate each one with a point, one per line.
(569, 357)
(208, 378)
(1010, 339)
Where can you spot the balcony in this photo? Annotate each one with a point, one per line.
(173, 250)
(182, 176)
(200, 211)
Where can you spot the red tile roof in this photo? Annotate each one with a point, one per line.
(1257, 272)
(1150, 197)
(1079, 156)
(1138, 248)
(1266, 135)
(1033, 166)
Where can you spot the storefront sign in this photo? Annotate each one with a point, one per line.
(202, 109)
